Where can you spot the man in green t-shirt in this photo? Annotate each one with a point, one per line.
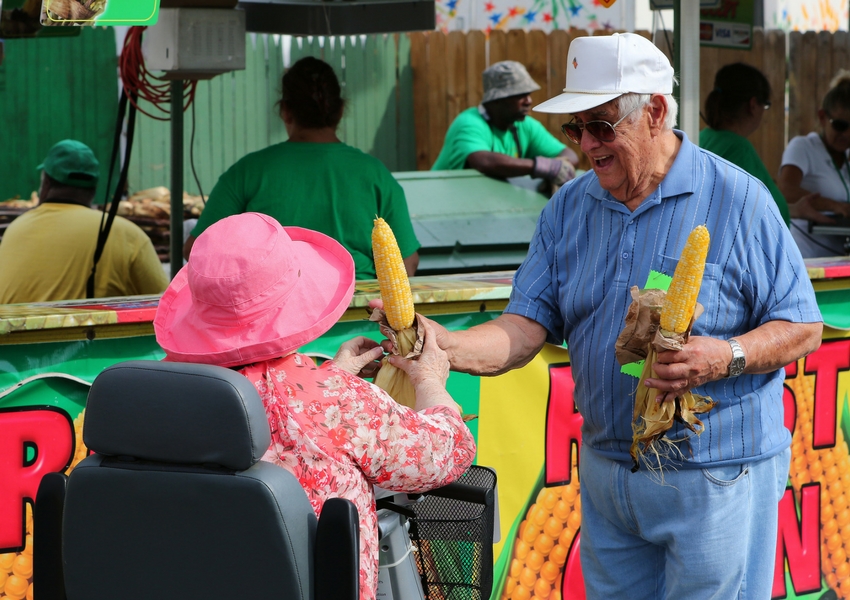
(499, 139)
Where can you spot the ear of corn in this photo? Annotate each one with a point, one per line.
(652, 419)
(677, 309)
(392, 277)
(398, 309)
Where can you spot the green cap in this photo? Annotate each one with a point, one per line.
(72, 163)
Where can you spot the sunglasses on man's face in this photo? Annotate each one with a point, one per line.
(601, 130)
(839, 125)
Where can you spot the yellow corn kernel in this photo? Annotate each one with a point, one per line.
(392, 277)
(677, 309)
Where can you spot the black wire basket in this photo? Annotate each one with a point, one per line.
(452, 533)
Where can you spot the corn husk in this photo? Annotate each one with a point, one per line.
(406, 343)
(642, 337)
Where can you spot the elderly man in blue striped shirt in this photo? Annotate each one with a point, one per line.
(709, 528)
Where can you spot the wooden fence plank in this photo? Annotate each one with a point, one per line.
(808, 97)
(476, 62)
(436, 94)
(840, 51)
(559, 42)
(795, 61)
(517, 49)
(498, 47)
(709, 63)
(456, 79)
(536, 60)
(584, 162)
(824, 65)
(772, 130)
(756, 58)
(421, 115)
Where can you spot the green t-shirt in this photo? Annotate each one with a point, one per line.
(739, 151)
(470, 132)
(332, 188)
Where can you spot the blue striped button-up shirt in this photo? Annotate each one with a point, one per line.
(589, 249)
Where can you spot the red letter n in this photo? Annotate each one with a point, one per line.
(799, 540)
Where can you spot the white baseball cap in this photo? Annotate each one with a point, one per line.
(601, 68)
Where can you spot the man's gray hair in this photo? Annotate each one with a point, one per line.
(631, 102)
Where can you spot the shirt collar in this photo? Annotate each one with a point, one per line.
(679, 179)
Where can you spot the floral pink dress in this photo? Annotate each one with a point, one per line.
(340, 435)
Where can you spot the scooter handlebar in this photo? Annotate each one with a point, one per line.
(463, 492)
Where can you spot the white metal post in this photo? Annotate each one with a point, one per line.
(689, 67)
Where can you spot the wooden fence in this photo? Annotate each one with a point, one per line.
(447, 78)
(403, 91)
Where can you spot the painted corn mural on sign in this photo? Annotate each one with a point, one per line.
(539, 558)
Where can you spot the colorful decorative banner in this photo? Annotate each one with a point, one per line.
(547, 15)
(807, 15)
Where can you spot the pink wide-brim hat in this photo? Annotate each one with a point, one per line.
(252, 291)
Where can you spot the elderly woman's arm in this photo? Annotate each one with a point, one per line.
(417, 450)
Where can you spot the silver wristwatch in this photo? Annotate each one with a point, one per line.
(739, 361)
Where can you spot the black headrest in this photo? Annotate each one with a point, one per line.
(176, 413)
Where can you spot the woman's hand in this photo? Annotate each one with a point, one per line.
(359, 356)
(428, 372)
(430, 366)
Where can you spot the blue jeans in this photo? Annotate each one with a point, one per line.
(704, 533)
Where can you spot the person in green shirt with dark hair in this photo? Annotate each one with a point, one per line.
(500, 140)
(313, 180)
(734, 109)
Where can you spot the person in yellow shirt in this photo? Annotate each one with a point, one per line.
(47, 253)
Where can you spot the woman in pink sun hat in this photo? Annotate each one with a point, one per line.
(250, 296)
